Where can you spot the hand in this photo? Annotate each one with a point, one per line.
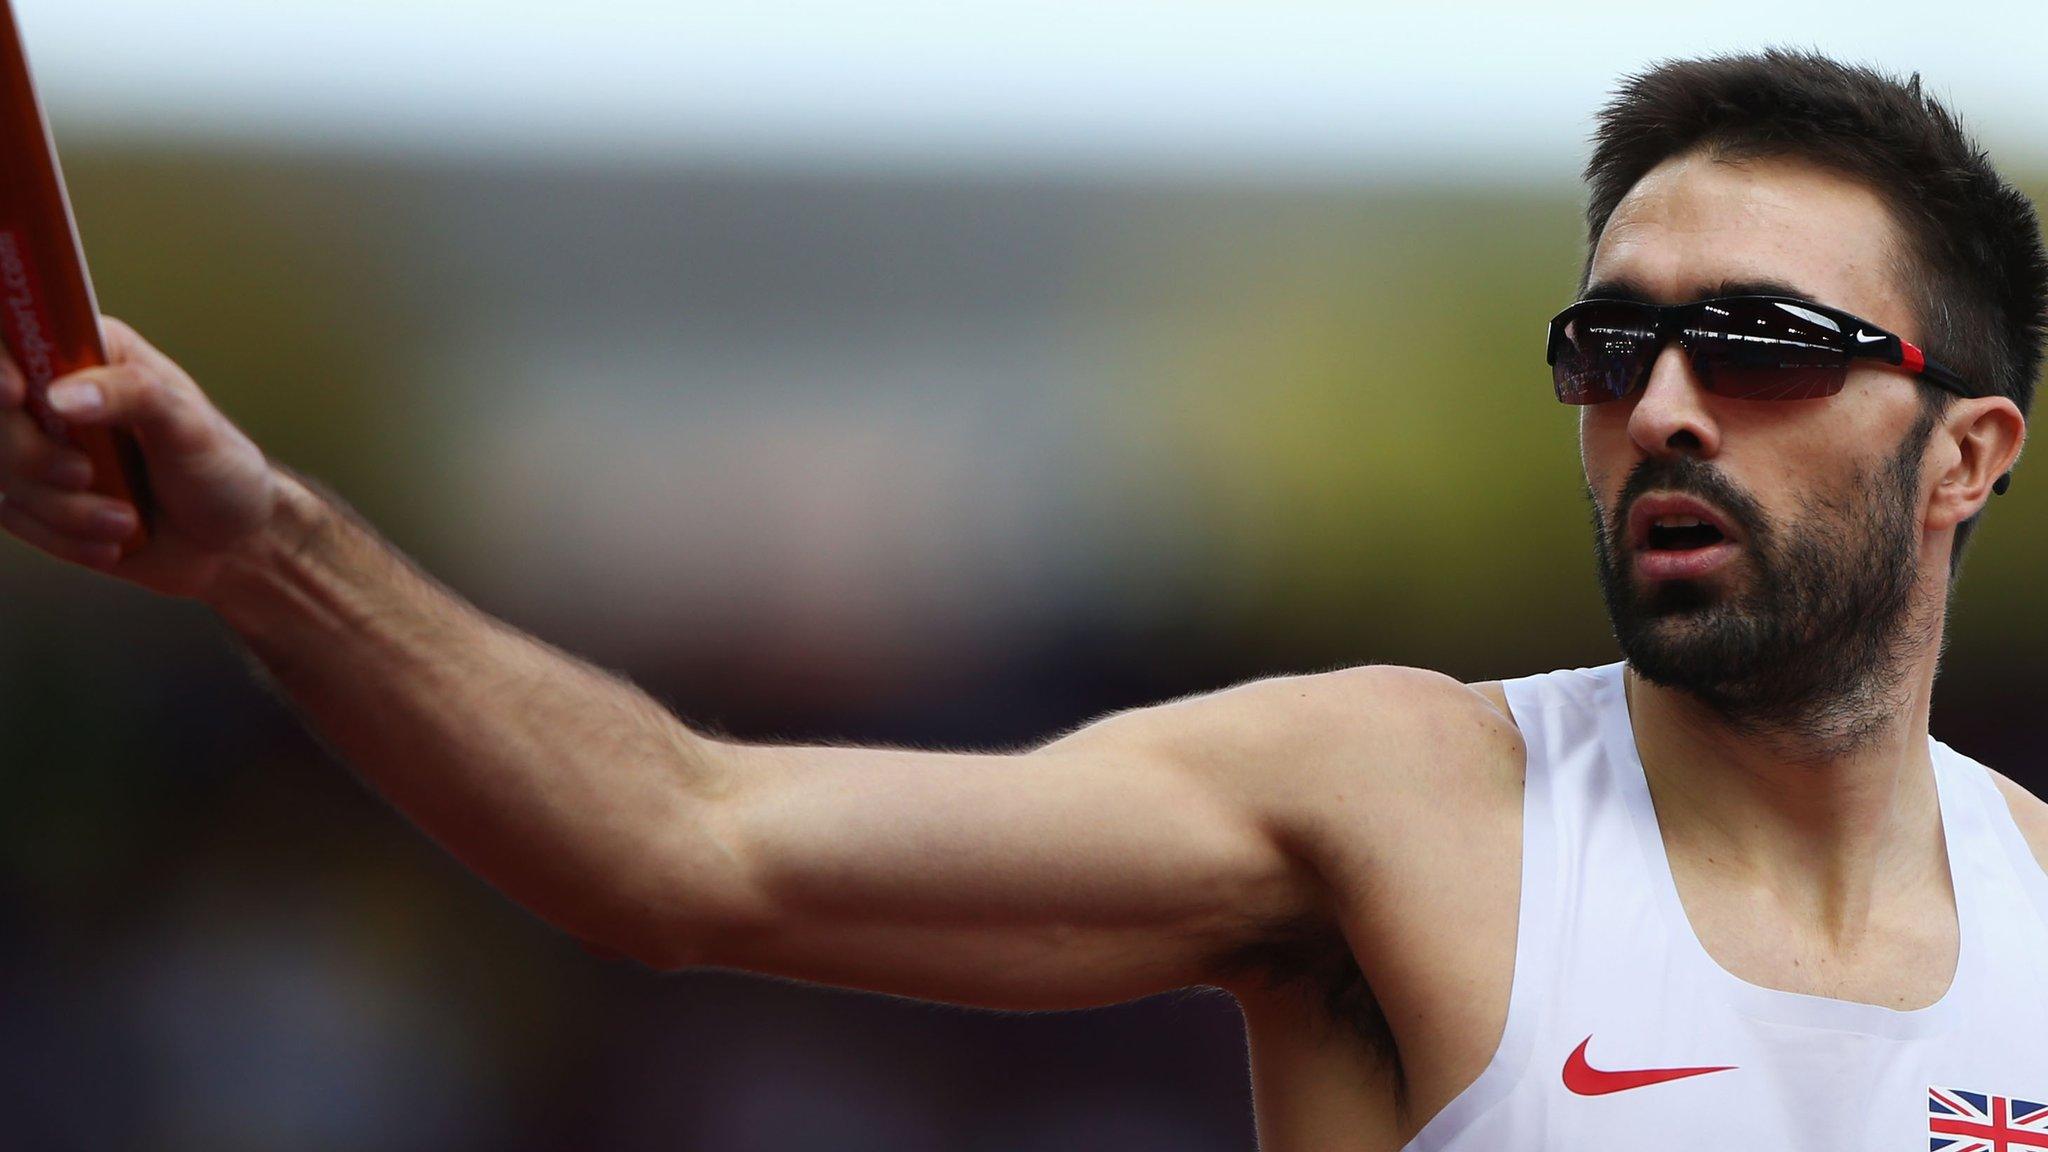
(215, 492)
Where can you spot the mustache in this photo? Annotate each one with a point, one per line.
(1694, 477)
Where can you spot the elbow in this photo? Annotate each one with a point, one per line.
(695, 927)
(671, 943)
(697, 896)
(669, 955)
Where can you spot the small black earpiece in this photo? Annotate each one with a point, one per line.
(1999, 485)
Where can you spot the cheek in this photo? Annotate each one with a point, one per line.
(1789, 469)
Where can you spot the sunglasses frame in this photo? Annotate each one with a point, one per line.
(1860, 339)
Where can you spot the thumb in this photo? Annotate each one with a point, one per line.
(173, 416)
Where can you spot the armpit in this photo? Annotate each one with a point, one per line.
(1309, 959)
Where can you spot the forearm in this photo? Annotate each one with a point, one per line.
(568, 788)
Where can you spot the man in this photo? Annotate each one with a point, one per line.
(1726, 893)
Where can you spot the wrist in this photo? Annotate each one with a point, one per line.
(270, 563)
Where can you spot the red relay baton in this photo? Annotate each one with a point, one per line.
(48, 319)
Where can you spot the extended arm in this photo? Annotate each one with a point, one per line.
(1119, 860)
(1122, 859)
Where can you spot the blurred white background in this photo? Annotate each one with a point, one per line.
(1280, 89)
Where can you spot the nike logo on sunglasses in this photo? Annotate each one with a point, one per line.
(1867, 338)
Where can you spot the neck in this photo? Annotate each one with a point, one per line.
(1824, 814)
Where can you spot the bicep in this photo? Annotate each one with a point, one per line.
(1115, 862)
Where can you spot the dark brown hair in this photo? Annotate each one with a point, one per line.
(1973, 263)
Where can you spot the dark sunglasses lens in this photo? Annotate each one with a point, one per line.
(1766, 350)
(1599, 350)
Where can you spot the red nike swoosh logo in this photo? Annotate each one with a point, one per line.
(1587, 1080)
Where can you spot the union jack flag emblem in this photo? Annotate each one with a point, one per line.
(1959, 1121)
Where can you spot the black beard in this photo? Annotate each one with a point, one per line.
(1817, 645)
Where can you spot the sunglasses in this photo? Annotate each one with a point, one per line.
(1745, 347)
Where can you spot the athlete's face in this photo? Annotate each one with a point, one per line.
(1821, 500)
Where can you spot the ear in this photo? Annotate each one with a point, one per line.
(1976, 443)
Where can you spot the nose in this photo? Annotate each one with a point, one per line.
(1671, 414)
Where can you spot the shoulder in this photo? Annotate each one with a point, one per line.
(1356, 743)
(1396, 722)
(1326, 763)
(2029, 812)
(1401, 788)
(1397, 702)
(1386, 749)
(1393, 708)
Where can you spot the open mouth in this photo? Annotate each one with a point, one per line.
(1682, 534)
(1676, 537)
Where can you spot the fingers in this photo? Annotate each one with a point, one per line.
(29, 453)
(13, 384)
(91, 552)
(86, 516)
(138, 386)
(122, 343)
(48, 503)
(125, 347)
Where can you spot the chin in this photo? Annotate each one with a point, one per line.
(1681, 599)
(1689, 635)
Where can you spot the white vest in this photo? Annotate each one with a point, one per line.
(1675, 1053)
